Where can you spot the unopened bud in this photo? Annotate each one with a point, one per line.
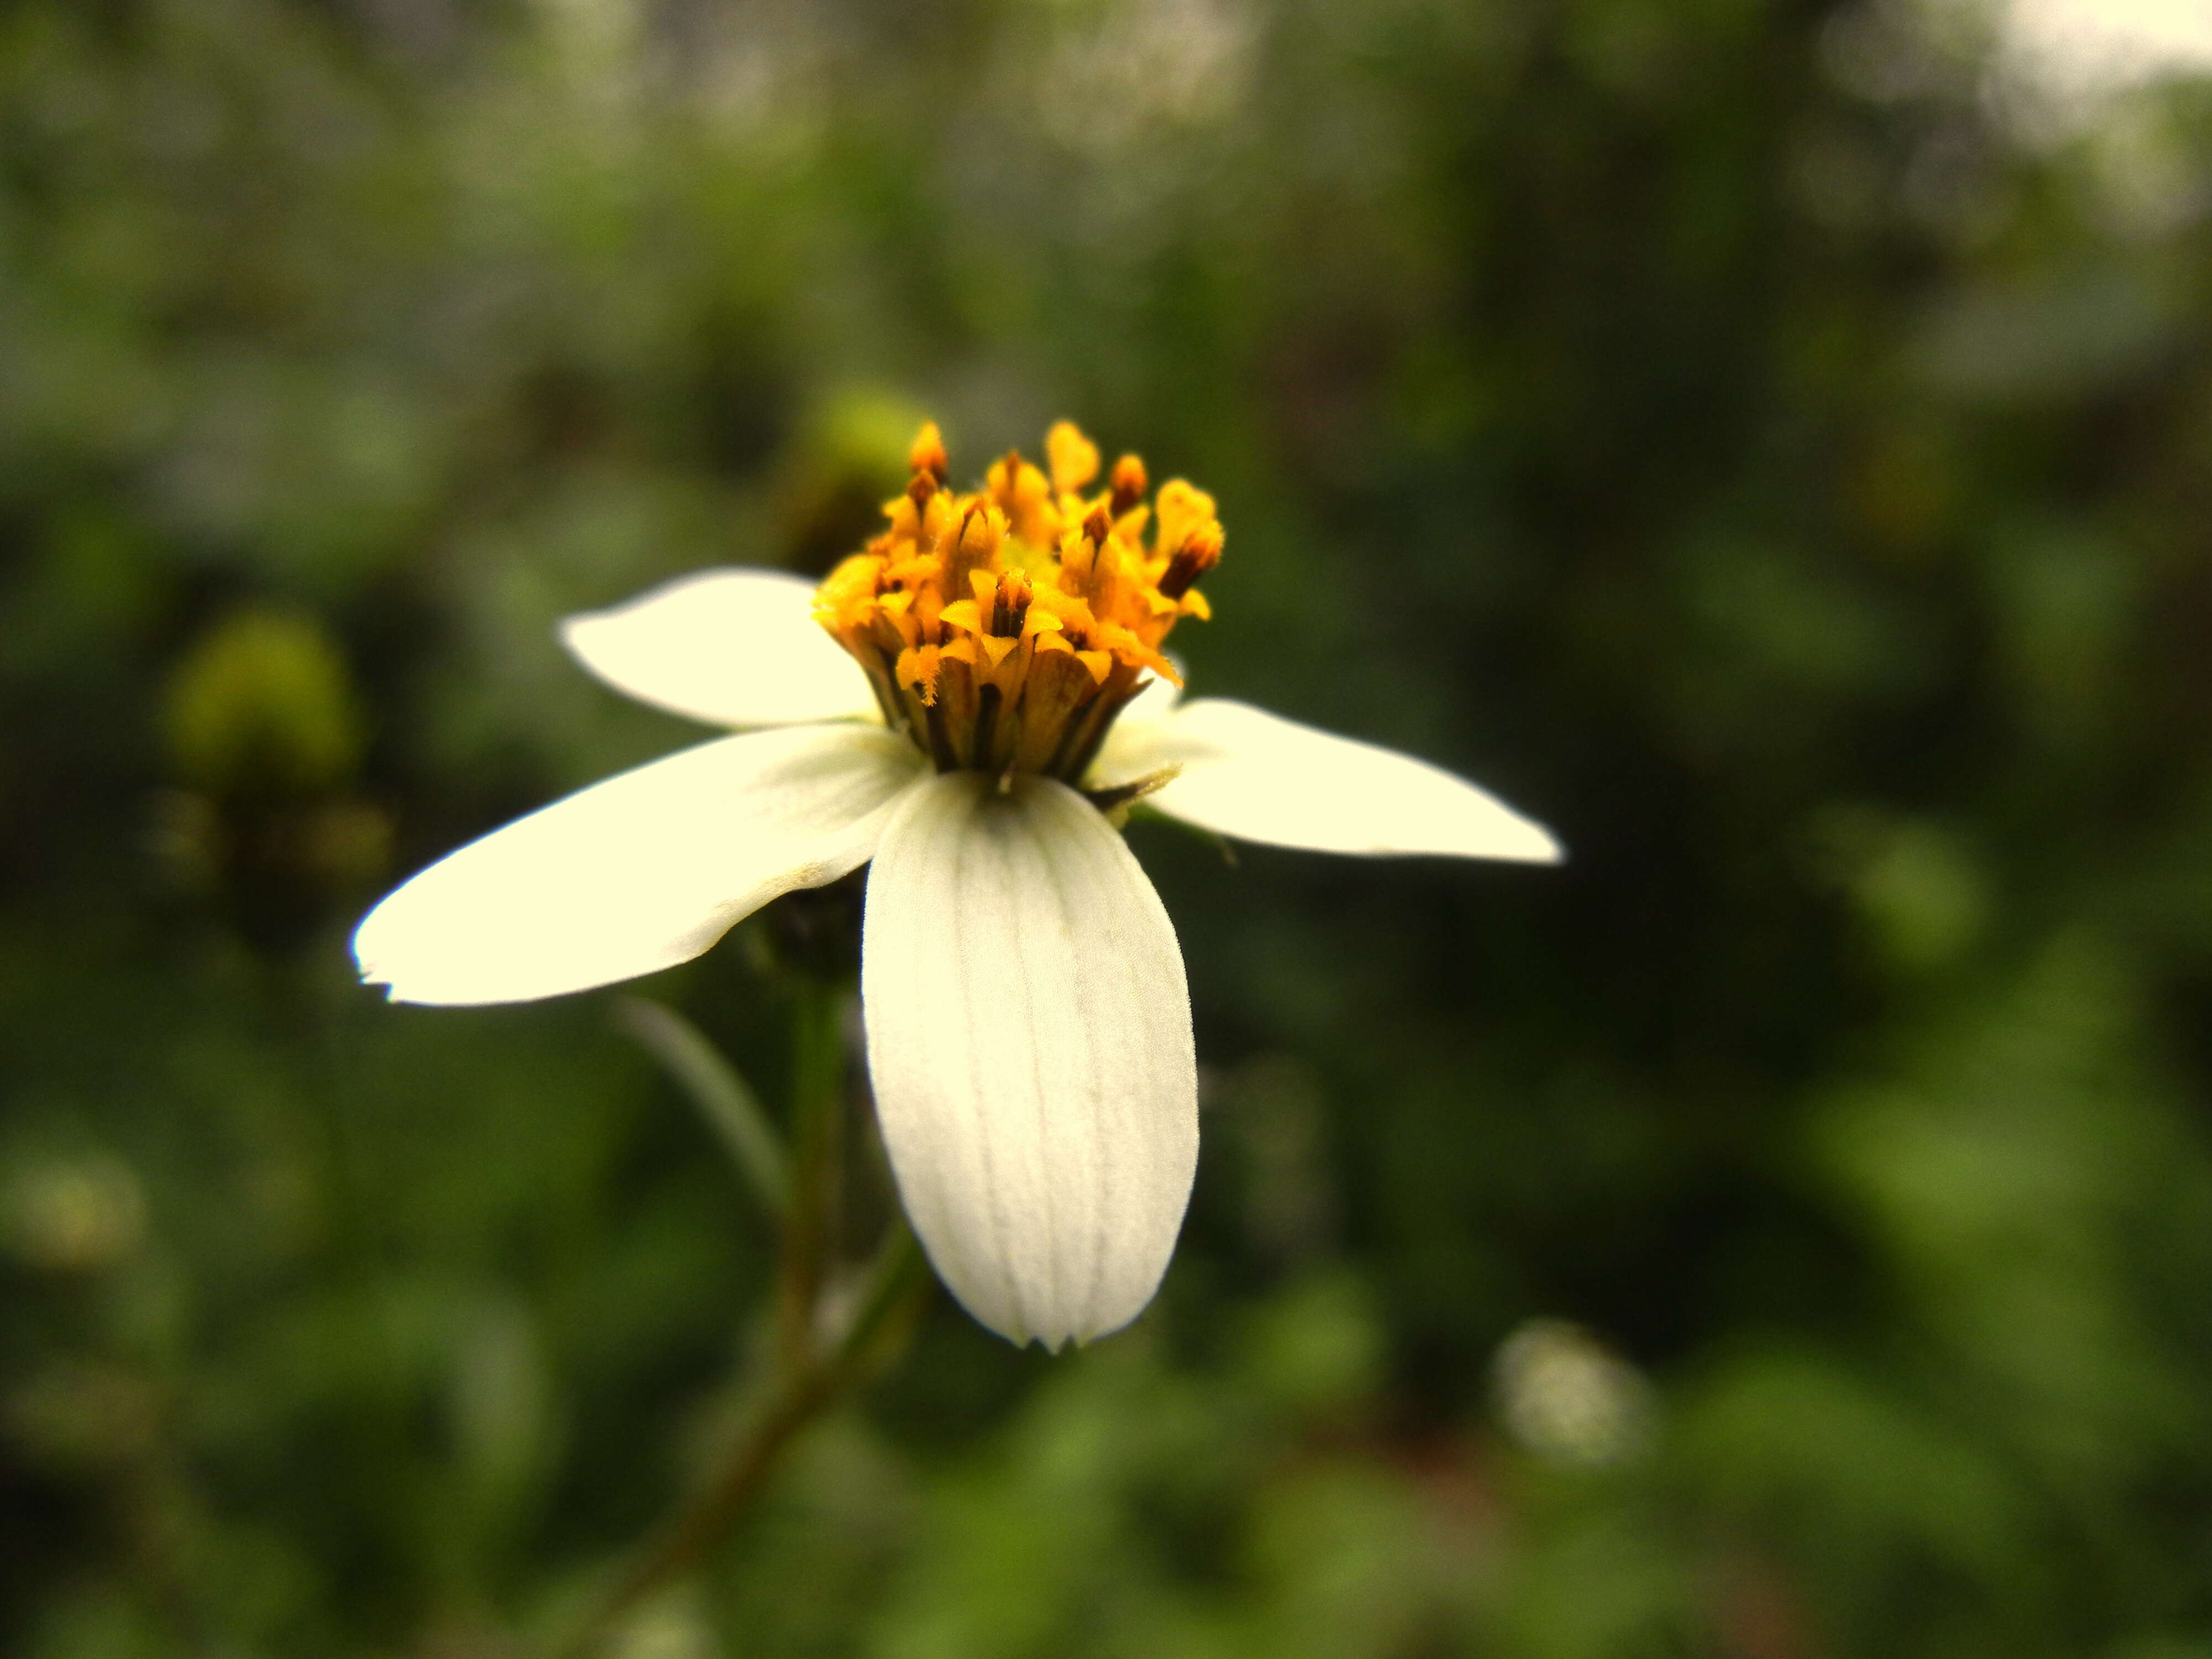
(1129, 485)
(1200, 552)
(927, 456)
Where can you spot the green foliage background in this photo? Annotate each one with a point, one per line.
(1741, 432)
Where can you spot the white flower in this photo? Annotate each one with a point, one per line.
(1028, 1023)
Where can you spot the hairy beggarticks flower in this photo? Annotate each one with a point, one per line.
(1028, 1023)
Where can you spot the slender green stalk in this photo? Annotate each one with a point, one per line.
(714, 1084)
(817, 1087)
(822, 1351)
(793, 1398)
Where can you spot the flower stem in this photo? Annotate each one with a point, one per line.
(822, 1351)
(712, 1082)
(817, 1087)
(896, 1285)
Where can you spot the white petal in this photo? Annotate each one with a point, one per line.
(1259, 777)
(732, 648)
(1029, 1037)
(1154, 700)
(642, 871)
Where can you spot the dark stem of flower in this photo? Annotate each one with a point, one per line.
(818, 1135)
(821, 1353)
(897, 1284)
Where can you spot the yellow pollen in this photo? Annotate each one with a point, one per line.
(1004, 629)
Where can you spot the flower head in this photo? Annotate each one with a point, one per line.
(1027, 1022)
(1006, 629)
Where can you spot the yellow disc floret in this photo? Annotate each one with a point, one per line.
(1004, 629)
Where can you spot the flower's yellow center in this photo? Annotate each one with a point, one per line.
(1004, 631)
